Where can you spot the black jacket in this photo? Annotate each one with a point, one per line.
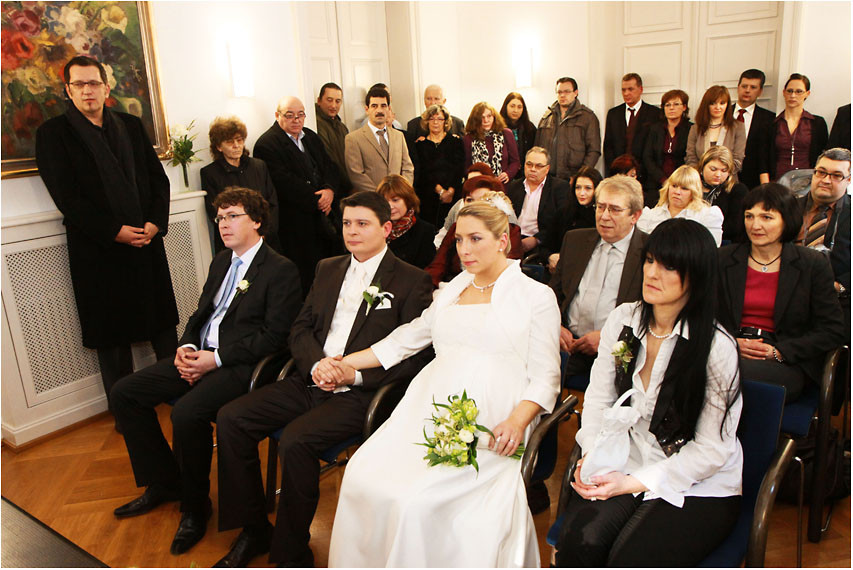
(416, 246)
(555, 194)
(123, 293)
(816, 146)
(653, 156)
(615, 132)
(756, 159)
(806, 315)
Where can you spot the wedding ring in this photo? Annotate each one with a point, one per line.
(512, 441)
(498, 438)
(593, 498)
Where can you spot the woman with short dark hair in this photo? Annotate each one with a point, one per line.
(666, 143)
(411, 237)
(676, 496)
(232, 166)
(778, 298)
(799, 136)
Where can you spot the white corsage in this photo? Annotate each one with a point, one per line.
(623, 355)
(242, 287)
(376, 297)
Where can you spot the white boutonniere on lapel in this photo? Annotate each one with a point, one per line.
(242, 287)
(376, 297)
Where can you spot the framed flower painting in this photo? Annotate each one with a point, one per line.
(38, 39)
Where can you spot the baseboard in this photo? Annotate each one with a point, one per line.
(22, 437)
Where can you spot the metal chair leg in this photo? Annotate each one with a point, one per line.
(800, 491)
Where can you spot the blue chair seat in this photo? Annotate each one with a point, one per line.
(797, 416)
(331, 454)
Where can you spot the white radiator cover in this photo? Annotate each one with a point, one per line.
(49, 381)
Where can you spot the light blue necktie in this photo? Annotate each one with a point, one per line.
(222, 305)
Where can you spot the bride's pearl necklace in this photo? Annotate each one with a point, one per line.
(484, 287)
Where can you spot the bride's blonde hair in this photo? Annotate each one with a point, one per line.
(492, 216)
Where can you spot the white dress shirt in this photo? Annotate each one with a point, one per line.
(359, 276)
(212, 340)
(599, 286)
(747, 116)
(709, 465)
(628, 111)
(377, 129)
(709, 216)
(528, 219)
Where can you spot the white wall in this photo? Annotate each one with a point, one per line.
(823, 56)
(468, 47)
(191, 41)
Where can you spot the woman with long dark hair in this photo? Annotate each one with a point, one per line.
(677, 496)
(514, 113)
(579, 211)
(716, 125)
(488, 140)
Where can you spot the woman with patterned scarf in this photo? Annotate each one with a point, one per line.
(488, 140)
(411, 237)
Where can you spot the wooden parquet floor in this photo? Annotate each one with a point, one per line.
(73, 482)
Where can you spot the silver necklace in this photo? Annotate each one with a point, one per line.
(484, 287)
(659, 336)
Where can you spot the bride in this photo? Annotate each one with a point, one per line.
(496, 336)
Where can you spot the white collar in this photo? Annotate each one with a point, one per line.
(249, 255)
(622, 244)
(749, 110)
(635, 107)
(533, 191)
(376, 129)
(371, 265)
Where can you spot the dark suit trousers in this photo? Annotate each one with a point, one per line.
(154, 463)
(116, 362)
(313, 421)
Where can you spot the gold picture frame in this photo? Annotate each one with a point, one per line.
(37, 42)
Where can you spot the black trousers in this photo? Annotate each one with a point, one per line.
(313, 421)
(154, 463)
(627, 531)
(116, 362)
(771, 372)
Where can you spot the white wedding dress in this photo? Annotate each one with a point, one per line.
(394, 510)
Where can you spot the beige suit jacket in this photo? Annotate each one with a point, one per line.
(367, 166)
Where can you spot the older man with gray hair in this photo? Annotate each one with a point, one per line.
(433, 95)
(306, 181)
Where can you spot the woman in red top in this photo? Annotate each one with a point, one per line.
(778, 298)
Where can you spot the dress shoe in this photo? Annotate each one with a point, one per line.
(151, 498)
(191, 530)
(246, 547)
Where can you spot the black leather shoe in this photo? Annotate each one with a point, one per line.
(244, 548)
(191, 530)
(151, 498)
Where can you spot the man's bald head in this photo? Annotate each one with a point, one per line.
(290, 115)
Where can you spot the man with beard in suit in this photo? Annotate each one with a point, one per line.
(305, 180)
(758, 123)
(248, 302)
(627, 124)
(599, 269)
(317, 407)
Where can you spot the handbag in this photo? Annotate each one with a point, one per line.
(612, 444)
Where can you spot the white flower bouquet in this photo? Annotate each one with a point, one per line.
(456, 433)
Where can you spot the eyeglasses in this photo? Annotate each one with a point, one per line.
(835, 176)
(81, 84)
(535, 165)
(796, 92)
(230, 217)
(290, 115)
(673, 104)
(615, 210)
(437, 119)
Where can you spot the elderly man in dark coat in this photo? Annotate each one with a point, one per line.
(105, 178)
(305, 179)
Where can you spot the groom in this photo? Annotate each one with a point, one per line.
(316, 412)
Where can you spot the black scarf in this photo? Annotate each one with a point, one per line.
(110, 145)
(710, 193)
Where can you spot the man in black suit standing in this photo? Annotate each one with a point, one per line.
(306, 181)
(758, 123)
(627, 124)
(315, 410)
(248, 302)
(105, 178)
(599, 269)
(538, 201)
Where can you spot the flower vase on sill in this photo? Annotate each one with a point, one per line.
(182, 149)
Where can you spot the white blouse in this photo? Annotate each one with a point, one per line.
(528, 312)
(709, 216)
(710, 464)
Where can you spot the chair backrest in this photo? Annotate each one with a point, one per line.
(758, 433)
(798, 181)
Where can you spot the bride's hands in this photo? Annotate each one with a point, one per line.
(509, 435)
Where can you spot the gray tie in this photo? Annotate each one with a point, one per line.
(383, 144)
(592, 297)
